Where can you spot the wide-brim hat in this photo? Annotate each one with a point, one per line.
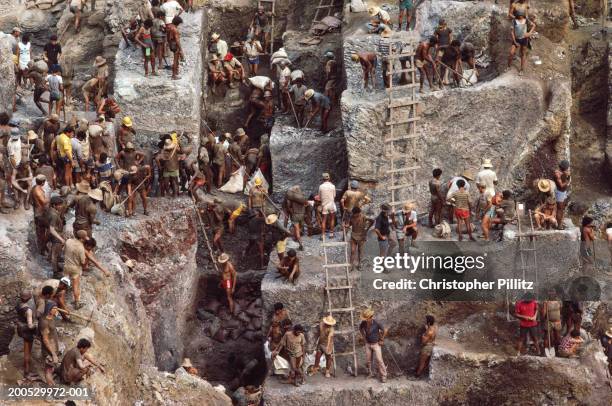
(215, 36)
(129, 145)
(96, 194)
(16, 29)
(240, 131)
(214, 58)
(83, 187)
(409, 205)
(186, 363)
(544, 185)
(373, 10)
(99, 61)
(223, 258)
(329, 320)
(41, 178)
(487, 163)
(54, 117)
(309, 93)
(119, 174)
(467, 175)
(32, 135)
(367, 314)
(271, 219)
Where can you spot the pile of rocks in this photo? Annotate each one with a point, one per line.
(220, 325)
(42, 4)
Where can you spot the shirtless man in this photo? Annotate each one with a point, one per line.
(289, 267)
(50, 128)
(562, 178)
(424, 59)
(546, 214)
(428, 340)
(21, 181)
(26, 329)
(228, 279)
(353, 197)
(368, 61)
(139, 175)
(90, 91)
(216, 73)
(41, 203)
(216, 214)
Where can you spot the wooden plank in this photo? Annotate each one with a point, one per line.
(334, 244)
(403, 138)
(402, 186)
(403, 121)
(335, 265)
(342, 310)
(400, 87)
(339, 287)
(404, 101)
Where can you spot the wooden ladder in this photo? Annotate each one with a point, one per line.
(344, 286)
(403, 166)
(528, 254)
(272, 4)
(325, 9)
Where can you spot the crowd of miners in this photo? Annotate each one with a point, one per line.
(87, 166)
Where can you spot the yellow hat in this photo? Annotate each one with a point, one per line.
(258, 181)
(127, 121)
(544, 185)
(355, 58)
(329, 320)
(373, 11)
(308, 94)
(367, 314)
(223, 258)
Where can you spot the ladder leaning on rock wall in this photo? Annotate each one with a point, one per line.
(335, 285)
(272, 4)
(401, 139)
(326, 8)
(528, 254)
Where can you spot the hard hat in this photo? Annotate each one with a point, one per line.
(127, 121)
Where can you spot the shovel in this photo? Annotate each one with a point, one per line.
(550, 350)
(119, 208)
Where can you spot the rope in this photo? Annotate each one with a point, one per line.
(210, 251)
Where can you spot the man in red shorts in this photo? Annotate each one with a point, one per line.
(228, 279)
(463, 209)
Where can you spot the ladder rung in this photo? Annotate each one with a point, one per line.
(408, 86)
(334, 244)
(407, 70)
(402, 102)
(339, 287)
(527, 249)
(401, 186)
(406, 169)
(342, 309)
(328, 6)
(402, 138)
(396, 203)
(403, 121)
(267, 1)
(335, 265)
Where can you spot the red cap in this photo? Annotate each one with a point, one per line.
(228, 57)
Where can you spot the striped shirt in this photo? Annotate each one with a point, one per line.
(462, 199)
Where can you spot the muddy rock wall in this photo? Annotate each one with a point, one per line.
(609, 116)
(166, 274)
(7, 76)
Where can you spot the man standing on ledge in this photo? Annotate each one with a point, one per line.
(373, 334)
(526, 310)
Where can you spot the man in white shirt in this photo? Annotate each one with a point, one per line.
(327, 194)
(171, 9)
(218, 46)
(487, 177)
(467, 176)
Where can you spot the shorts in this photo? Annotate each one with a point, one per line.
(266, 29)
(427, 349)
(55, 67)
(462, 213)
(281, 246)
(523, 41)
(254, 60)
(554, 325)
(560, 196)
(171, 174)
(524, 331)
(400, 235)
(323, 349)
(420, 64)
(297, 219)
(329, 208)
(27, 334)
(226, 284)
(55, 96)
(72, 272)
(406, 5)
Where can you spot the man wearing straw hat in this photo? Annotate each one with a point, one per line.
(487, 177)
(326, 344)
(102, 74)
(228, 279)
(546, 188)
(405, 224)
(218, 46)
(139, 176)
(380, 20)
(373, 333)
(188, 367)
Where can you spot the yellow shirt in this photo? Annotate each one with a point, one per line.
(64, 146)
